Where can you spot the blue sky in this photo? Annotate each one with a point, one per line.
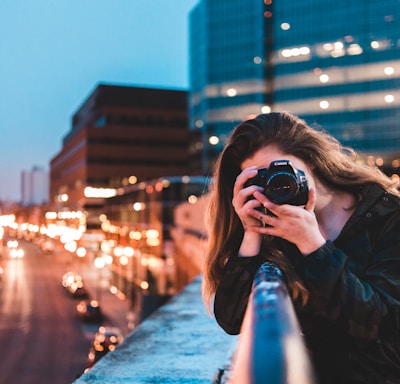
(54, 53)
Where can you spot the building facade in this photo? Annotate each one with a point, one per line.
(230, 70)
(123, 169)
(145, 229)
(120, 136)
(335, 66)
(340, 68)
(34, 187)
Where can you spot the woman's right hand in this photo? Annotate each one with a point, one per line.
(243, 201)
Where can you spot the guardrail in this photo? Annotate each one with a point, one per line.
(270, 347)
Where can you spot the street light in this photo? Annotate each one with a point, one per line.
(81, 252)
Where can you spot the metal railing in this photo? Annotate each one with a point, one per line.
(270, 349)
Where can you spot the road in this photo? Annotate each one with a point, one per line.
(41, 339)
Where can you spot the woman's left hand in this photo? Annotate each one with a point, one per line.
(295, 224)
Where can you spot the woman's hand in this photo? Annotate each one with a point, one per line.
(244, 204)
(295, 224)
(243, 200)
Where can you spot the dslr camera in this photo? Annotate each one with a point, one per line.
(282, 183)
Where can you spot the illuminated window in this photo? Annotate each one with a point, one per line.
(231, 92)
(354, 49)
(381, 44)
(389, 98)
(199, 123)
(295, 52)
(285, 26)
(324, 104)
(213, 140)
(324, 78)
(132, 180)
(375, 44)
(265, 109)
(138, 206)
(388, 71)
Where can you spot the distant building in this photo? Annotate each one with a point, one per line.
(120, 136)
(337, 66)
(34, 187)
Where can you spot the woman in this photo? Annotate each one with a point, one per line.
(339, 249)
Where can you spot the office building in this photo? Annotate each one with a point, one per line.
(34, 187)
(230, 69)
(335, 66)
(339, 66)
(119, 136)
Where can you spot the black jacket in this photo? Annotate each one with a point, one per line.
(351, 323)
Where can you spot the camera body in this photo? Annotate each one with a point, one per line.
(282, 183)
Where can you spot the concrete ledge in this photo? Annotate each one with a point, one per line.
(179, 343)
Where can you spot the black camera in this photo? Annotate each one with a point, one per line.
(282, 183)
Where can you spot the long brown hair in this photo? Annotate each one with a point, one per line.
(333, 164)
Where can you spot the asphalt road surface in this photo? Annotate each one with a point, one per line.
(41, 339)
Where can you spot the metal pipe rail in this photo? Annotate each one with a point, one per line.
(270, 349)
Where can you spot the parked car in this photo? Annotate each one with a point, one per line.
(89, 311)
(105, 340)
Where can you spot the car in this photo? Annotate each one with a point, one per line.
(78, 291)
(73, 284)
(89, 311)
(17, 253)
(12, 244)
(69, 278)
(106, 339)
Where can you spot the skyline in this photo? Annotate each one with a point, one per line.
(54, 55)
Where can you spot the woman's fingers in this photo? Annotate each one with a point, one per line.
(242, 194)
(311, 200)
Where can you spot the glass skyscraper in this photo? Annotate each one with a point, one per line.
(334, 64)
(229, 72)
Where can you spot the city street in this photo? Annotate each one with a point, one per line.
(42, 339)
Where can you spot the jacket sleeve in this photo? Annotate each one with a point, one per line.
(233, 292)
(359, 291)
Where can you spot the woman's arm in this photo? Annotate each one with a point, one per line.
(359, 290)
(233, 292)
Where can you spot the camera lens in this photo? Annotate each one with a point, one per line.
(281, 187)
